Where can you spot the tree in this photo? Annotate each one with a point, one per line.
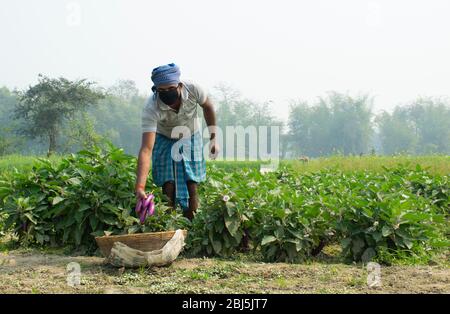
(119, 120)
(337, 123)
(396, 132)
(9, 142)
(125, 89)
(350, 128)
(46, 105)
(299, 123)
(232, 110)
(431, 120)
(80, 133)
(422, 127)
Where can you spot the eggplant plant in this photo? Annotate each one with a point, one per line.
(285, 215)
(88, 194)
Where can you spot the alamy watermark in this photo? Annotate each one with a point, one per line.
(74, 14)
(253, 143)
(73, 274)
(374, 275)
(374, 14)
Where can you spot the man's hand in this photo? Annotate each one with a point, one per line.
(145, 154)
(140, 194)
(214, 149)
(210, 117)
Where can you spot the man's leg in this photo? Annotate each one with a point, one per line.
(193, 200)
(169, 190)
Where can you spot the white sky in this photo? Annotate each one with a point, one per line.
(269, 50)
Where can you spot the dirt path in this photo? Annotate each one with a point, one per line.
(46, 273)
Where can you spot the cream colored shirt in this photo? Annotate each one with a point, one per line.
(160, 118)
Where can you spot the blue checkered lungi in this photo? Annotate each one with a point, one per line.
(178, 161)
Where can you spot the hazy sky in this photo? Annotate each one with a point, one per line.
(269, 50)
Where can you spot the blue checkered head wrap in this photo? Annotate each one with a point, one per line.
(166, 74)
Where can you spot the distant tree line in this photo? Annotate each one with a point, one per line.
(63, 121)
(61, 116)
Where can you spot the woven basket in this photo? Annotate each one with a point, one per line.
(145, 242)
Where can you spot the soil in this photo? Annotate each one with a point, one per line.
(41, 272)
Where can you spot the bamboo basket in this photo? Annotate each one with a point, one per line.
(145, 242)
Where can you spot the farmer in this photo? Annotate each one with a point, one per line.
(172, 138)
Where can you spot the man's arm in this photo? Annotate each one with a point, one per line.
(145, 154)
(210, 118)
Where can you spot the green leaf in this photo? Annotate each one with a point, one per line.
(232, 224)
(268, 239)
(57, 200)
(69, 221)
(279, 233)
(231, 208)
(217, 246)
(416, 216)
(408, 243)
(87, 167)
(4, 191)
(66, 234)
(40, 238)
(109, 220)
(386, 231)
(30, 217)
(79, 216)
(346, 242)
(238, 237)
(298, 244)
(368, 255)
(74, 181)
(9, 222)
(84, 206)
(358, 245)
(377, 236)
(97, 233)
(133, 229)
(93, 221)
(78, 235)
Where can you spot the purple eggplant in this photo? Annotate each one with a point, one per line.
(151, 210)
(139, 206)
(142, 216)
(151, 206)
(147, 201)
(147, 208)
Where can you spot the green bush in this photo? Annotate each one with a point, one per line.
(85, 195)
(288, 216)
(219, 226)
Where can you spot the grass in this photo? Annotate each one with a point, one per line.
(244, 273)
(35, 272)
(437, 165)
(22, 163)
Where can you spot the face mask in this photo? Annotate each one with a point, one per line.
(169, 97)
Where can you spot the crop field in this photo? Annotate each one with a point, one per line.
(307, 227)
